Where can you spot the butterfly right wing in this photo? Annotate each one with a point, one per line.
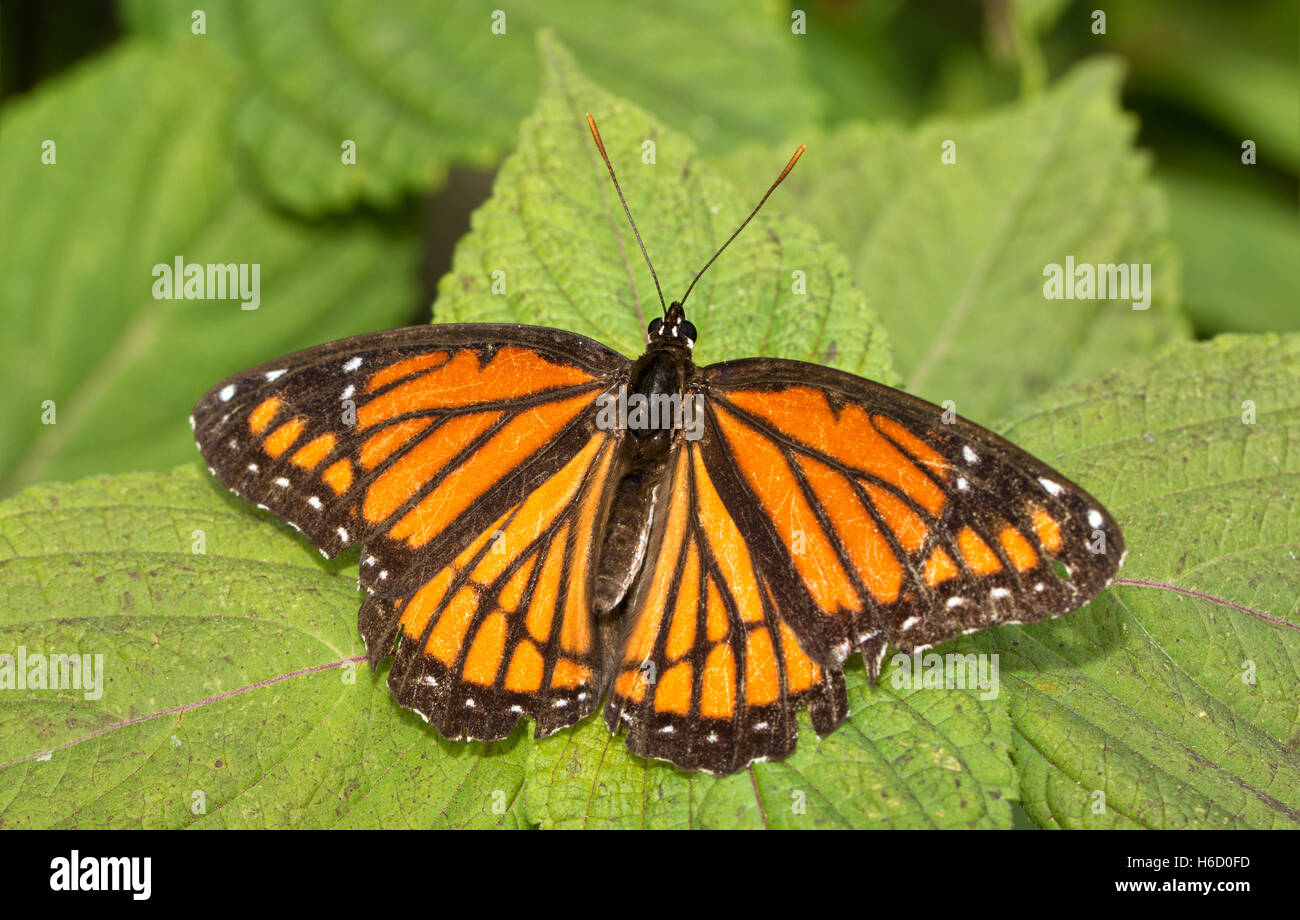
(408, 441)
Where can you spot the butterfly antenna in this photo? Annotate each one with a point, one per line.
(600, 145)
(779, 179)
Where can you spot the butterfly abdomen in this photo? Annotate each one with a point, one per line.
(627, 531)
(658, 379)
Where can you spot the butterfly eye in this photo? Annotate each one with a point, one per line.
(655, 325)
(688, 330)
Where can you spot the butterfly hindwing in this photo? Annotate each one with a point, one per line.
(506, 629)
(708, 674)
(878, 521)
(409, 441)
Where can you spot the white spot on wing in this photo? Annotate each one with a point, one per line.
(275, 375)
(343, 535)
(970, 455)
(1094, 518)
(997, 593)
(347, 392)
(226, 392)
(282, 483)
(314, 502)
(1051, 487)
(956, 601)
(351, 364)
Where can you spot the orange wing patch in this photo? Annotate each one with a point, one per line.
(854, 498)
(506, 628)
(280, 440)
(419, 464)
(1018, 549)
(310, 456)
(260, 417)
(939, 567)
(403, 369)
(980, 559)
(512, 373)
(710, 675)
(873, 559)
(517, 440)
(1047, 530)
(850, 439)
(338, 476)
(380, 446)
(770, 476)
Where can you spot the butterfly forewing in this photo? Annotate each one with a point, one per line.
(880, 520)
(409, 441)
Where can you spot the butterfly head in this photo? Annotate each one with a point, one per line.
(673, 329)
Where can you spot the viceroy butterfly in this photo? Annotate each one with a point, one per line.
(525, 558)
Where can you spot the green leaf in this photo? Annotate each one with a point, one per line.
(234, 682)
(554, 236)
(952, 256)
(904, 758)
(1174, 693)
(143, 175)
(421, 86)
(234, 677)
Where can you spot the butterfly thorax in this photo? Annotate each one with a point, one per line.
(660, 383)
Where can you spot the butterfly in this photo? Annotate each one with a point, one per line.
(547, 526)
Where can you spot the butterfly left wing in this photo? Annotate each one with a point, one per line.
(708, 675)
(877, 523)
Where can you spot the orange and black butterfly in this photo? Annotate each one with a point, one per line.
(545, 525)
